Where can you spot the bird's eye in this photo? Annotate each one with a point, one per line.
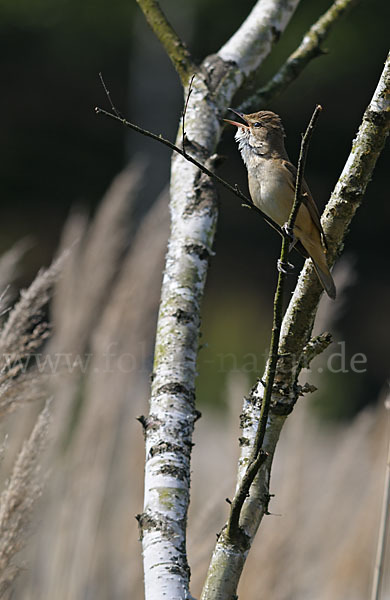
(257, 124)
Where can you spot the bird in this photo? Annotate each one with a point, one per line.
(271, 179)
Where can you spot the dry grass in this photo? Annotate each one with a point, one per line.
(21, 340)
(89, 526)
(18, 498)
(320, 543)
(22, 335)
(320, 540)
(10, 270)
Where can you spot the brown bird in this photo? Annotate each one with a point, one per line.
(271, 178)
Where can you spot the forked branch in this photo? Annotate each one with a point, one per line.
(309, 48)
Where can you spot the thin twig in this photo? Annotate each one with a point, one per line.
(159, 138)
(384, 525)
(309, 48)
(107, 92)
(258, 456)
(173, 45)
(301, 166)
(183, 114)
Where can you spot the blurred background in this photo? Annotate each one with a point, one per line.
(68, 175)
(57, 154)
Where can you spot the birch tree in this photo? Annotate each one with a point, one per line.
(169, 425)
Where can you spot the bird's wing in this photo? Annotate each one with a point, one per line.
(307, 198)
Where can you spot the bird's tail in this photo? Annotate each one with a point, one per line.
(325, 278)
(312, 245)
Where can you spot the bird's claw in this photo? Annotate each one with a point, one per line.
(289, 233)
(285, 267)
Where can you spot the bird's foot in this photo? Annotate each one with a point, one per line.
(289, 233)
(285, 267)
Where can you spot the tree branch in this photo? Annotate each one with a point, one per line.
(258, 456)
(295, 333)
(246, 201)
(173, 45)
(253, 40)
(309, 48)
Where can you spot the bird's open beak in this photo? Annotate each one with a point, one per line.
(242, 116)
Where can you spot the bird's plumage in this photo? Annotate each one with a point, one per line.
(272, 177)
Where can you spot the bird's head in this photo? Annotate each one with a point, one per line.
(260, 132)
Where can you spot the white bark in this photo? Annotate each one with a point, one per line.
(253, 40)
(296, 330)
(169, 426)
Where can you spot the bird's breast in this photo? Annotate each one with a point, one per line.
(270, 190)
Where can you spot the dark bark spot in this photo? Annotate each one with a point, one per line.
(201, 152)
(199, 250)
(282, 407)
(215, 69)
(197, 415)
(379, 119)
(176, 389)
(163, 447)
(204, 198)
(142, 420)
(176, 472)
(276, 33)
(183, 316)
(243, 441)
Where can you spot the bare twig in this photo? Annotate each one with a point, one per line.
(309, 48)
(107, 92)
(301, 167)
(173, 45)
(384, 525)
(183, 114)
(258, 456)
(159, 138)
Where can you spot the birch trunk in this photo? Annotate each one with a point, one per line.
(169, 426)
